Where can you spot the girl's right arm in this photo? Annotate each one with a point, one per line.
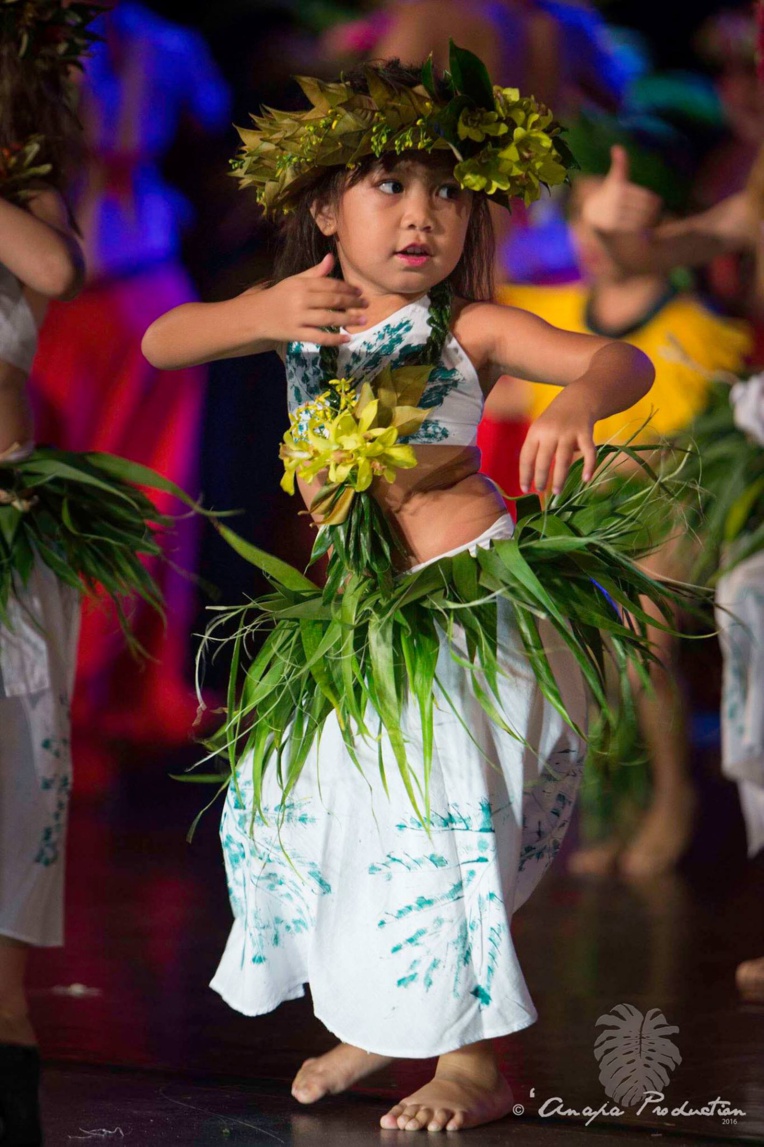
(262, 318)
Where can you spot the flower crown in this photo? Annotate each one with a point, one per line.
(47, 32)
(506, 145)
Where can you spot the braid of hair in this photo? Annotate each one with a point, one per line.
(328, 359)
(439, 318)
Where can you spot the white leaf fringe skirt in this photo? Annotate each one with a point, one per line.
(405, 938)
(38, 652)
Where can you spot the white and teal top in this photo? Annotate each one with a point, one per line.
(452, 395)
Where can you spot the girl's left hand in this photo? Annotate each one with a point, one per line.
(564, 430)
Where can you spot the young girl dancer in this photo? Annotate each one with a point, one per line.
(67, 523)
(416, 745)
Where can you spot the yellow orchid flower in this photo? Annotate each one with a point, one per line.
(477, 124)
(352, 437)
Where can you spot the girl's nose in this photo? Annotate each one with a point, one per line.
(417, 211)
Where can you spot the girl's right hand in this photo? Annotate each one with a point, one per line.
(298, 308)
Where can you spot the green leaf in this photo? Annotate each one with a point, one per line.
(528, 506)
(198, 778)
(10, 519)
(465, 574)
(470, 76)
(138, 475)
(280, 571)
(382, 666)
(49, 468)
(741, 508)
(428, 77)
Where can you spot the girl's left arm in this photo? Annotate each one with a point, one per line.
(37, 245)
(600, 376)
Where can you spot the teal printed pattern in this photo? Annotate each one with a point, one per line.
(303, 375)
(303, 367)
(546, 816)
(449, 938)
(459, 947)
(265, 891)
(57, 783)
(430, 431)
(392, 343)
(386, 345)
(737, 683)
(49, 849)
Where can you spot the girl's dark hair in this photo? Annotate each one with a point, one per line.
(302, 244)
(37, 101)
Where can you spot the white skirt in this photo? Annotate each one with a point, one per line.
(404, 938)
(37, 663)
(740, 618)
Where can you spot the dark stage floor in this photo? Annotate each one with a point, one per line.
(139, 1049)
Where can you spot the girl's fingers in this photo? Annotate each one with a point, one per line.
(527, 463)
(589, 451)
(543, 464)
(323, 338)
(334, 318)
(562, 460)
(323, 294)
(320, 269)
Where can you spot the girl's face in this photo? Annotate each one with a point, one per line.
(399, 232)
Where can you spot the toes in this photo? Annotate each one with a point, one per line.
(306, 1087)
(307, 1094)
(456, 1122)
(390, 1119)
(414, 1118)
(439, 1119)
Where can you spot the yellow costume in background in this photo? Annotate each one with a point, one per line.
(680, 336)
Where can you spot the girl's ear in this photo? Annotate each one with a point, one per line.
(324, 217)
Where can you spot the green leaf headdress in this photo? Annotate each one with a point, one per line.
(505, 145)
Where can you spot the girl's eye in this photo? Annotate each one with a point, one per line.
(449, 191)
(390, 186)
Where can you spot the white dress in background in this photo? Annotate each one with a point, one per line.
(37, 662)
(740, 618)
(37, 659)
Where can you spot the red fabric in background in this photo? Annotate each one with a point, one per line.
(500, 443)
(93, 390)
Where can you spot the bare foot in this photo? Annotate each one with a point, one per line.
(597, 860)
(663, 836)
(335, 1071)
(750, 978)
(467, 1091)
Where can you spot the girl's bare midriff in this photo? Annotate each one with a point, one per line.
(442, 503)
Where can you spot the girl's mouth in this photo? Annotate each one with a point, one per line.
(415, 255)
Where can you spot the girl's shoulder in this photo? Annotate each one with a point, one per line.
(470, 315)
(474, 325)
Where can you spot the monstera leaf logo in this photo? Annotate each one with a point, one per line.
(635, 1054)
